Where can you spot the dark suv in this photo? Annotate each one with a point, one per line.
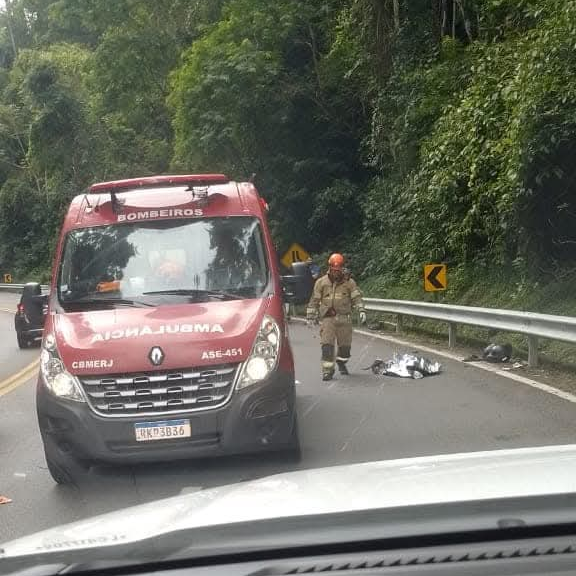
(30, 315)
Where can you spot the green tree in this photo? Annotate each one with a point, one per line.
(258, 93)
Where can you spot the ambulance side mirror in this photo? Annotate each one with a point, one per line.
(298, 286)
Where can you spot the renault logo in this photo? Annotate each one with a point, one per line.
(156, 355)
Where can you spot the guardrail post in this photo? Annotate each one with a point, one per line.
(399, 323)
(532, 351)
(452, 330)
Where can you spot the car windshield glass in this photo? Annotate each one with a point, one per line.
(164, 262)
(265, 259)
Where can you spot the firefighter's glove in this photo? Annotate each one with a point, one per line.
(362, 317)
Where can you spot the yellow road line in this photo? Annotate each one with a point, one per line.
(19, 378)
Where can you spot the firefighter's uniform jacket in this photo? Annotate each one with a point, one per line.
(332, 303)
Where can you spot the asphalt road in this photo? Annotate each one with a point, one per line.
(359, 418)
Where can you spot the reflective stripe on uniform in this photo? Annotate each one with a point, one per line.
(340, 359)
(327, 365)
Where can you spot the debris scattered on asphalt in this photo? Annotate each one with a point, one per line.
(494, 353)
(5, 500)
(497, 353)
(518, 364)
(405, 366)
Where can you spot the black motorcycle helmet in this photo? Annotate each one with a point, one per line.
(497, 353)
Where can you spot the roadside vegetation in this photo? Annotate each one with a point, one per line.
(398, 132)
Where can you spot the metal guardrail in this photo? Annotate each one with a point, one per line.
(531, 324)
(11, 287)
(19, 287)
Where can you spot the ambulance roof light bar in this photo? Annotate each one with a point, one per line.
(201, 181)
(152, 181)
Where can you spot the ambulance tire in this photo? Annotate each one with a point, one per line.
(65, 469)
(293, 451)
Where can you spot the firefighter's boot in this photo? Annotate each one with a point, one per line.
(327, 375)
(327, 362)
(342, 368)
(342, 359)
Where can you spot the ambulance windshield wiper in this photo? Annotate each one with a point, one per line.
(197, 293)
(91, 301)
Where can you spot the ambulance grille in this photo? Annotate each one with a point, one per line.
(163, 392)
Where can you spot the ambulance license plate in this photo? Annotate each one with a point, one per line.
(165, 430)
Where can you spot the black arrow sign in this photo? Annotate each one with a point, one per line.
(432, 277)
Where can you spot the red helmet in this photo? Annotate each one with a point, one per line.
(336, 262)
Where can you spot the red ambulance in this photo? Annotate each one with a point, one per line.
(165, 337)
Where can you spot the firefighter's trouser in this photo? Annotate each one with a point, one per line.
(335, 330)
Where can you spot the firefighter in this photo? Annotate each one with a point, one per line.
(332, 301)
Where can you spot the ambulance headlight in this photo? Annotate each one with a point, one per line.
(54, 374)
(264, 357)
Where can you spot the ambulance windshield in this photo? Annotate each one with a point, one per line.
(168, 258)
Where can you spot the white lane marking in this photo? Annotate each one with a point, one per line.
(486, 367)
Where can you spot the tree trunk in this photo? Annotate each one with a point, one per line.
(436, 10)
(465, 19)
(396, 8)
(9, 26)
(382, 29)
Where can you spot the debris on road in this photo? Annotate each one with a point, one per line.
(405, 366)
(497, 353)
(518, 364)
(494, 353)
(5, 500)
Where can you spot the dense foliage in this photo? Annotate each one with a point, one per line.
(396, 131)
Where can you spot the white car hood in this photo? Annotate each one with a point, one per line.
(385, 484)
